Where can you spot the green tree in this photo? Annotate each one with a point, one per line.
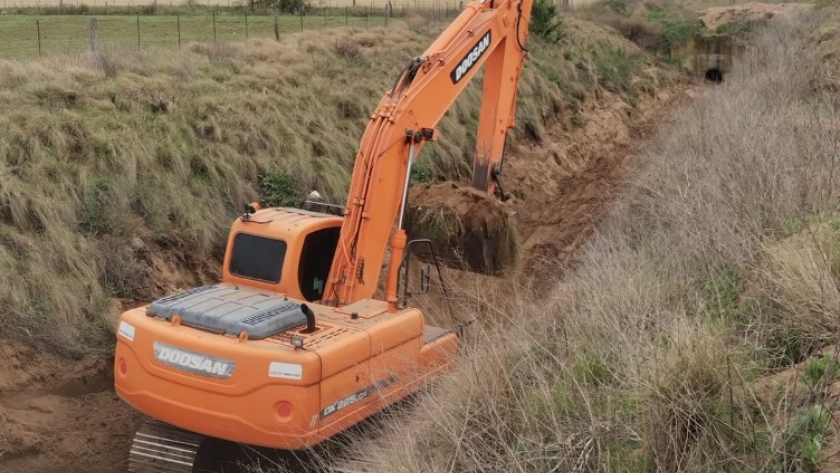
(545, 23)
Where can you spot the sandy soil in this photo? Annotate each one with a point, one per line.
(58, 416)
(563, 187)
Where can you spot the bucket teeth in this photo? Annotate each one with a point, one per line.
(161, 448)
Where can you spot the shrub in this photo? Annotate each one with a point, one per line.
(280, 189)
(545, 23)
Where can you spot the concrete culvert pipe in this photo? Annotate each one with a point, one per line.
(714, 76)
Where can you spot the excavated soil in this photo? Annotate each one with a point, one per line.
(470, 231)
(58, 416)
(563, 187)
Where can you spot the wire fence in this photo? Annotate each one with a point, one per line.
(68, 27)
(27, 36)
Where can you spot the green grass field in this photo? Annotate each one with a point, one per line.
(62, 34)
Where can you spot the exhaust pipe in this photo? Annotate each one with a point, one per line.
(310, 318)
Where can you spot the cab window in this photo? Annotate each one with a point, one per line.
(256, 257)
(315, 262)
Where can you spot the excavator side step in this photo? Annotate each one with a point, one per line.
(161, 448)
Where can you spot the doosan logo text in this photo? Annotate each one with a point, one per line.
(194, 362)
(470, 59)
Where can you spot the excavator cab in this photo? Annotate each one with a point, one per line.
(284, 250)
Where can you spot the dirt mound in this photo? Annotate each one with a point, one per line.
(714, 18)
(469, 229)
(52, 411)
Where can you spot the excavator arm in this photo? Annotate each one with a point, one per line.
(491, 33)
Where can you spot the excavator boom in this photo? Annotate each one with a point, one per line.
(486, 32)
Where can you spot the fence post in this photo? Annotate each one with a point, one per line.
(138, 31)
(38, 25)
(246, 25)
(94, 34)
(214, 27)
(178, 18)
(276, 26)
(367, 15)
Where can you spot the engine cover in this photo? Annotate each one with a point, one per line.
(230, 310)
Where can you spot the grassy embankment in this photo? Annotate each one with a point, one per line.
(718, 267)
(122, 171)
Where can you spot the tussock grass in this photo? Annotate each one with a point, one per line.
(705, 277)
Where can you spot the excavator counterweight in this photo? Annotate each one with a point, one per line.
(290, 347)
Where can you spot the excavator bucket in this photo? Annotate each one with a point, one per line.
(470, 230)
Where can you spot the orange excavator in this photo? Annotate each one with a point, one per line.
(291, 347)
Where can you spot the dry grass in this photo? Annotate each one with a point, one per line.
(645, 358)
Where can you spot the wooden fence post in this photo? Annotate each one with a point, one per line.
(178, 18)
(276, 26)
(214, 27)
(94, 34)
(138, 31)
(246, 25)
(38, 25)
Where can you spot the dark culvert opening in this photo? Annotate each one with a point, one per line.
(714, 76)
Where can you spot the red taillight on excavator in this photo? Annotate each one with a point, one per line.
(122, 366)
(283, 410)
